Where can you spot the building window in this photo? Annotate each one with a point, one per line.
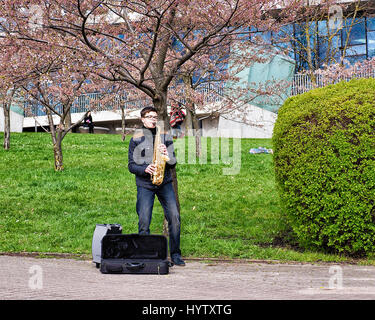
(371, 44)
(370, 23)
(355, 41)
(354, 32)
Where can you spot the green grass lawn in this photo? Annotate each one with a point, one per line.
(226, 216)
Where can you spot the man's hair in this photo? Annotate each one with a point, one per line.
(146, 110)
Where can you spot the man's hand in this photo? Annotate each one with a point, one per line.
(163, 149)
(150, 169)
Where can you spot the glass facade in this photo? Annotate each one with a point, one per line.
(355, 41)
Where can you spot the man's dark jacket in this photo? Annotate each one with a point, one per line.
(141, 151)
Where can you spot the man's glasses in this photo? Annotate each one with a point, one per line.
(151, 117)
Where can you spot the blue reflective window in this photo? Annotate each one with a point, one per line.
(359, 45)
(371, 44)
(301, 43)
(371, 23)
(337, 57)
(323, 27)
(283, 40)
(266, 36)
(284, 34)
(329, 49)
(356, 50)
(356, 31)
(243, 34)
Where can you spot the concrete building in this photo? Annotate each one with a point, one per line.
(16, 119)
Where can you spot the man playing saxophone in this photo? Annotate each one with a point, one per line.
(147, 161)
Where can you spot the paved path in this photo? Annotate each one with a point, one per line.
(70, 279)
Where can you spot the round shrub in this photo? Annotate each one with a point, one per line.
(324, 154)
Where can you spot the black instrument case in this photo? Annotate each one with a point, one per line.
(134, 253)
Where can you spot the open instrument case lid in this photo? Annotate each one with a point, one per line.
(134, 246)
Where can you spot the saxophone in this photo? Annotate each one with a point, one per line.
(159, 159)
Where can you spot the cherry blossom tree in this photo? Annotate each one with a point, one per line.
(57, 91)
(135, 41)
(229, 94)
(8, 86)
(6, 98)
(52, 78)
(343, 71)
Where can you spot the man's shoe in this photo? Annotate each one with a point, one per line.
(178, 261)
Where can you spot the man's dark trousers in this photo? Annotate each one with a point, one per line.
(167, 198)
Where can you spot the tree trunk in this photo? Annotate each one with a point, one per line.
(57, 151)
(160, 104)
(68, 117)
(6, 107)
(56, 135)
(188, 120)
(123, 133)
(309, 55)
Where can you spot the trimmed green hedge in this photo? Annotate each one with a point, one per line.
(324, 154)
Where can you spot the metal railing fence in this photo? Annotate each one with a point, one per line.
(212, 92)
(302, 82)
